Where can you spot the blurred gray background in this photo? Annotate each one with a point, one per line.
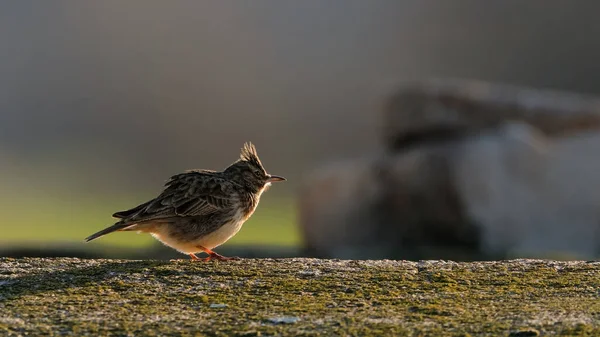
(101, 101)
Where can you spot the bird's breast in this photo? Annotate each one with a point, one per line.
(225, 232)
(250, 202)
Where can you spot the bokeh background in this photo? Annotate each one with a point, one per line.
(102, 101)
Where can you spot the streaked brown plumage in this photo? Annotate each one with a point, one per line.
(199, 210)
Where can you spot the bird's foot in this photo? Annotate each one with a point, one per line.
(213, 256)
(218, 257)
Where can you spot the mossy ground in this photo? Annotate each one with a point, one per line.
(292, 297)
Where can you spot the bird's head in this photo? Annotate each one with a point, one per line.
(249, 172)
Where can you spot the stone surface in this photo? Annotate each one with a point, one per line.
(65, 296)
(438, 110)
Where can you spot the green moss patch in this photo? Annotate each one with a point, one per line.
(261, 297)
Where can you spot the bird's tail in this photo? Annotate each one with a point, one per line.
(116, 227)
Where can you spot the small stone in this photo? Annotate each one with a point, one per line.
(524, 333)
(310, 272)
(218, 305)
(284, 319)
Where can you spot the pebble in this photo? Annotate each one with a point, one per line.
(218, 305)
(284, 320)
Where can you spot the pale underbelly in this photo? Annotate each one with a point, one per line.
(209, 241)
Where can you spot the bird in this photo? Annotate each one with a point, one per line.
(199, 209)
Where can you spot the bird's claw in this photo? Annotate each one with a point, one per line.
(215, 256)
(218, 257)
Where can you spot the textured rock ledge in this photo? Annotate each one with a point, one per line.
(253, 297)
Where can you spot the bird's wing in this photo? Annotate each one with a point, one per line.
(193, 193)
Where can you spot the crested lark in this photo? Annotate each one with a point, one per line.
(199, 210)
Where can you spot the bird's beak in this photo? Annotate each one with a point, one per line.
(273, 178)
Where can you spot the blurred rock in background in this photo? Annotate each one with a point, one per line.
(471, 170)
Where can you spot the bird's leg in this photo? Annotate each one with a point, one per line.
(213, 255)
(195, 258)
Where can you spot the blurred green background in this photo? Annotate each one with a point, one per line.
(58, 219)
(102, 101)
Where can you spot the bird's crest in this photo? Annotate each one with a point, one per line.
(249, 154)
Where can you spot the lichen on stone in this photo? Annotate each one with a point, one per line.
(290, 297)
